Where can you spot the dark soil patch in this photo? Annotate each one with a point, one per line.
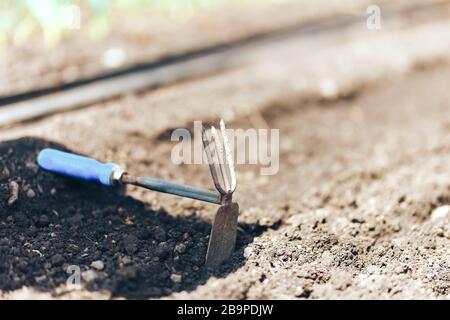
(56, 222)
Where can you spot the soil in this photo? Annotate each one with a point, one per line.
(349, 214)
(358, 209)
(53, 223)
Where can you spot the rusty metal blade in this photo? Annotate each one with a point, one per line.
(223, 235)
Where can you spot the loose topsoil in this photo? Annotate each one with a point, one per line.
(351, 214)
(50, 222)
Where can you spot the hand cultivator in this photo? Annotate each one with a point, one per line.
(223, 233)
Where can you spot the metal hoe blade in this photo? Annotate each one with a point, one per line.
(223, 235)
(223, 232)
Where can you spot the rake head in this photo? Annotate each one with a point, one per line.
(225, 163)
(223, 232)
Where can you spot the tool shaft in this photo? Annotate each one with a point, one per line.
(89, 169)
(173, 188)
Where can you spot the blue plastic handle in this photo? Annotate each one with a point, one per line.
(75, 166)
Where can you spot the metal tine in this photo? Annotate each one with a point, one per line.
(229, 156)
(212, 168)
(219, 154)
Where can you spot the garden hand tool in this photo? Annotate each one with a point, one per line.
(223, 232)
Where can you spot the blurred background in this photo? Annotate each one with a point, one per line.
(59, 41)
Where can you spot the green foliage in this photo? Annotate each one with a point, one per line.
(19, 19)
